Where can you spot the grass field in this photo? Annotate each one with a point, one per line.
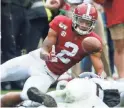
(6, 91)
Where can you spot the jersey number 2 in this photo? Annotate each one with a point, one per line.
(68, 53)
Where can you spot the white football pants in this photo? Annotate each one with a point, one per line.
(29, 65)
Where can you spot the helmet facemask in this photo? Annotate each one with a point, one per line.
(86, 18)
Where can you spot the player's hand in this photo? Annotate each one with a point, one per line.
(44, 55)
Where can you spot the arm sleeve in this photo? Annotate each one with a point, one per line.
(54, 24)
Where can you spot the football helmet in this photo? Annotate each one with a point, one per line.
(86, 13)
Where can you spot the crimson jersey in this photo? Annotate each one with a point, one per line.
(68, 48)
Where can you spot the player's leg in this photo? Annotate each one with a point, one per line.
(37, 92)
(16, 68)
(56, 94)
(35, 89)
(40, 83)
(10, 99)
(39, 79)
(13, 99)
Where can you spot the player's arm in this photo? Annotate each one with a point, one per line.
(47, 44)
(98, 64)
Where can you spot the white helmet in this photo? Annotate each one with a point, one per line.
(79, 89)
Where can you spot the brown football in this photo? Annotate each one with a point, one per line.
(91, 45)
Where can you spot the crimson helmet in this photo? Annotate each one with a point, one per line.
(85, 12)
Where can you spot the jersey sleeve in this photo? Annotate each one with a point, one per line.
(54, 24)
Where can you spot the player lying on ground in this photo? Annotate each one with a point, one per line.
(74, 95)
(110, 92)
(72, 39)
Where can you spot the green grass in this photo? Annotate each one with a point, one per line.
(6, 91)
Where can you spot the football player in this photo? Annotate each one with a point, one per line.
(111, 93)
(61, 49)
(73, 96)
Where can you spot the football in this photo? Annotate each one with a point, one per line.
(91, 45)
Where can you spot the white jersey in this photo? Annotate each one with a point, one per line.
(75, 96)
(106, 84)
(59, 96)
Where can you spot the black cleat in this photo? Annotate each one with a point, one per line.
(35, 95)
